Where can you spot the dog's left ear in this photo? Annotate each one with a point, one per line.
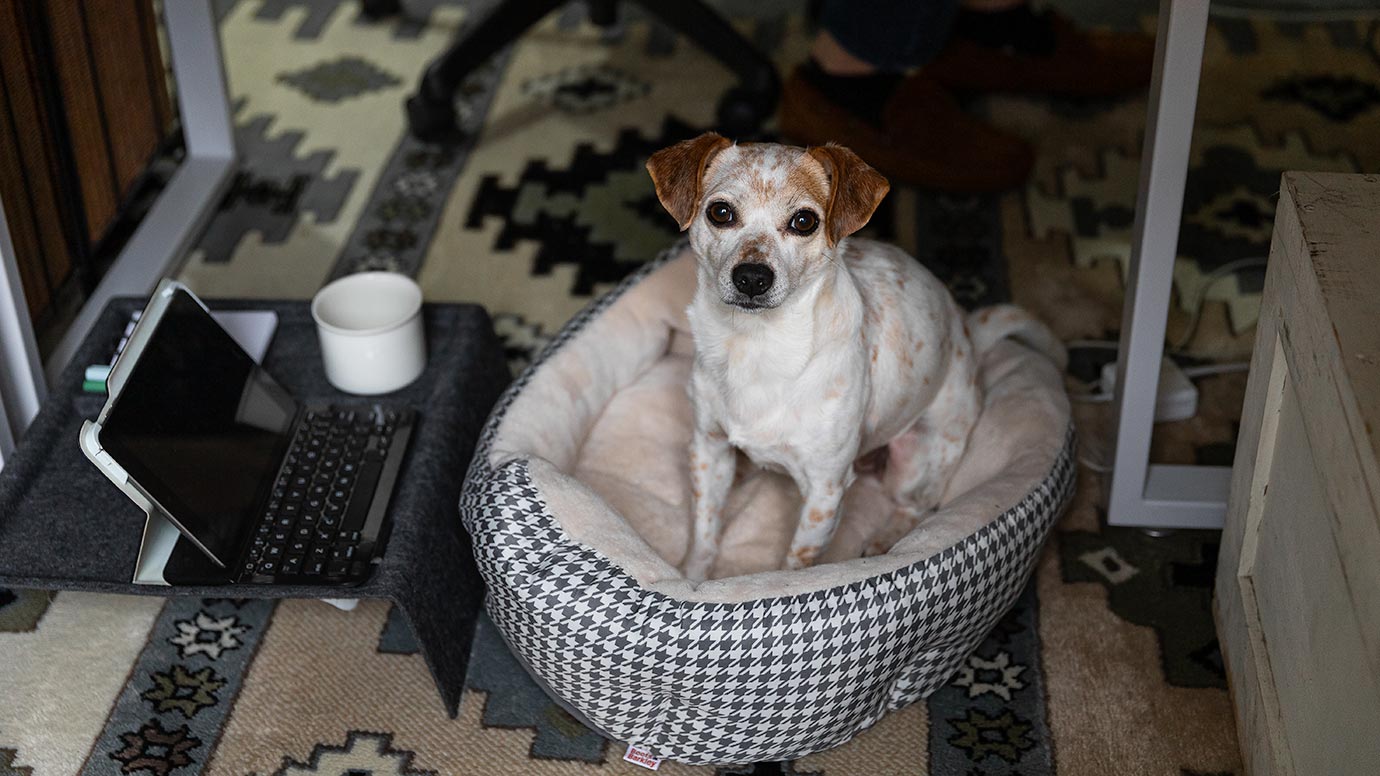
(678, 174)
(855, 190)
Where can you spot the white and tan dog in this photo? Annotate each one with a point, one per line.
(812, 350)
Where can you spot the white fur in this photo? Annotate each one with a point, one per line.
(858, 348)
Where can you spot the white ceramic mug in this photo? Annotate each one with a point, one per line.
(370, 327)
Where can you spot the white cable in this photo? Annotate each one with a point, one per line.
(1201, 299)
(1207, 370)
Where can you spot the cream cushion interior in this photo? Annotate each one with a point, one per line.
(605, 424)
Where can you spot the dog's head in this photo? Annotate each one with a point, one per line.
(764, 218)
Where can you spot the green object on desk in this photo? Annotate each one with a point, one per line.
(93, 386)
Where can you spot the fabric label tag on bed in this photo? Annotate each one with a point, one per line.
(639, 756)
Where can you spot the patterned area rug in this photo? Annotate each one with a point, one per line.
(1109, 663)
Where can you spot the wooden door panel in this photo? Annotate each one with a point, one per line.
(85, 114)
(128, 100)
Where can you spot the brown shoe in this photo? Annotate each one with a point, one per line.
(1080, 63)
(925, 139)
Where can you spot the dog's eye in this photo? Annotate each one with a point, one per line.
(720, 213)
(804, 222)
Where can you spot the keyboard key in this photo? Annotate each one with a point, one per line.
(314, 568)
(307, 518)
(296, 494)
(292, 564)
(319, 491)
(291, 508)
(324, 535)
(268, 567)
(300, 481)
(348, 468)
(329, 521)
(349, 536)
(284, 521)
(343, 553)
(280, 536)
(299, 546)
(340, 495)
(338, 568)
(273, 551)
(303, 532)
(322, 551)
(314, 505)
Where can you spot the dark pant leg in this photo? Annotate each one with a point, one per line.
(892, 35)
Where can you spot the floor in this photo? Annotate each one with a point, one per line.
(1109, 663)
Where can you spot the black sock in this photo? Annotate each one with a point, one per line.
(1018, 28)
(865, 96)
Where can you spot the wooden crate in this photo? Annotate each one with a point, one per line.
(1298, 583)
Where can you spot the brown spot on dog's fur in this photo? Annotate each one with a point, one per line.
(818, 516)
(808, 180)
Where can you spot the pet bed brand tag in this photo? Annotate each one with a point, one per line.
(639, 756)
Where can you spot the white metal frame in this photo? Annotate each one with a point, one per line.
(161, 239)
(1145, 494)
(22, 386)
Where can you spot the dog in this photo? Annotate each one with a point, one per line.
(814, 351)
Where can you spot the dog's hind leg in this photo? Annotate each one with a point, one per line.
(921, 460)
(712, 462)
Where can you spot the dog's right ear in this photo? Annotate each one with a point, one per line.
(678, 174)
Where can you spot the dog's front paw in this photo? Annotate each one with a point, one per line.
(801, 557)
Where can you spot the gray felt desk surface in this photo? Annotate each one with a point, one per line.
(64, 526)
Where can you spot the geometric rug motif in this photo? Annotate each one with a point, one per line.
(21, 610)
(170, 713)
(1152, 582)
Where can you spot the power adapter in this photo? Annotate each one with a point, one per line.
(1177, 398)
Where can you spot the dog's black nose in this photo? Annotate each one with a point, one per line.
(753, 279)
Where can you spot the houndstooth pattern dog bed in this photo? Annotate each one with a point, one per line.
(717, 674)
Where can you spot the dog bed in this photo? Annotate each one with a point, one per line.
(578, 504)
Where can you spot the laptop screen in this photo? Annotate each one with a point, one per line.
(201, 427)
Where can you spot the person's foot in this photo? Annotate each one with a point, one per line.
(1021, 50)
(908, 127)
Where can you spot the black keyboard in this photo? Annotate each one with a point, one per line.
(314, 528)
